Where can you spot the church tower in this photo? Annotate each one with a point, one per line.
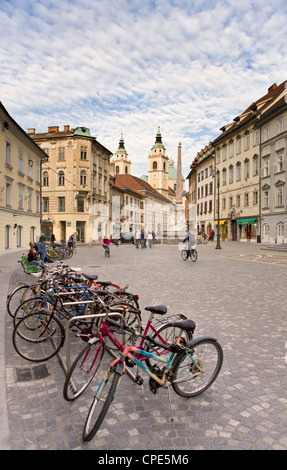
(158, 166)
(121, 163)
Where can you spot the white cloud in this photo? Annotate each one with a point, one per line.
(119, 66)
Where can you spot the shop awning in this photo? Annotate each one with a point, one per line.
(246, 221)
(221, 222)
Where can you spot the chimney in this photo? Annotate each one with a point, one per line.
(272, 87)
(178, 177)
(66, 128)
(31, 131)
(53, 129)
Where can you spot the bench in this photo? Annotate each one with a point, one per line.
(27, 267)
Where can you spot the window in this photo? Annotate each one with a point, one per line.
(279, 196)
(30, 168)
(246, 141)
(37, 202)
(83, 178)
(255, 197)
(246, 199)
(224, 153)
(231, 149)
(45, 178)
(266, 168)
(210, 205)
(45, 204)
(38, 171)
(278, 166)
(255, 137)
(280, 229)
(255, 166)
(230, 202)
(266, 199)
(117, 170)
(279, 126)
(246, 169)
(61, 204)
(61, 178)
(83, 153)
(20, 197)
(266, 230)
(8, 194)
(223, 177)
(8, 154)
(29, 200)
(238, 145)
(218, 156)
(154, 165)
(231, 174)
(238, 200)
(61, 154)
(211, 187)
(238, 171)
(21, 161)
(81, 204)
(265, 133)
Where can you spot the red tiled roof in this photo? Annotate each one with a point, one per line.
(137, 185)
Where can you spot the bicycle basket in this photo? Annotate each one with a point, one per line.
(182, 246)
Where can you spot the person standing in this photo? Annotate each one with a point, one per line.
(138, 238)
(149, 237)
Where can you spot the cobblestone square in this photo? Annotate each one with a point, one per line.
(236, 294)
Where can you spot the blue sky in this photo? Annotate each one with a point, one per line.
(121, 66)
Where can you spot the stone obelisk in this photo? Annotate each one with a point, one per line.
(178, 177)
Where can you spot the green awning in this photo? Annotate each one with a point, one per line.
(246, 221)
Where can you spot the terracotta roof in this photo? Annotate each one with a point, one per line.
(137, 185)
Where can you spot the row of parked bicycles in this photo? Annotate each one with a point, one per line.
(96, 319)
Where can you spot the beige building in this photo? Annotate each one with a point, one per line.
(20, 189)
(75, 183)
(238, 162)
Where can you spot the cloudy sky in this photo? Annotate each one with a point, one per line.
(127, 66)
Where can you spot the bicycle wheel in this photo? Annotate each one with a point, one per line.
(131, 317)
(195, 372)
(83, 370)
(101, 404)
(15, 298)
(38, 337)
(184, 255)
(31, 305)
(168, 334)
(193, 255)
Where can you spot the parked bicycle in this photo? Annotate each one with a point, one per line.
(85, 366)
(190, 368)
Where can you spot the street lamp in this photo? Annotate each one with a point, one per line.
(218, 247)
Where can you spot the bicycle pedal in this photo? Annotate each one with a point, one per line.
(139, 380)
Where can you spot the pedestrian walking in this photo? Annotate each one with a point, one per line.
(143, 243)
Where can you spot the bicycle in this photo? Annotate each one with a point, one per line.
(184, 367)
(40, 334)
(192, 254)
(85, 366)
(107, 251)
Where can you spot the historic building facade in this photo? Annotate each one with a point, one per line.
(75, 183)
(20, 185)
(272, 127)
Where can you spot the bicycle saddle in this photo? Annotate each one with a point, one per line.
(91, 277)
(104, 283)
(160, 309)
(184, 325)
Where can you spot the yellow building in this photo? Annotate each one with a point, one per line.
(75, 183)
(20, 190)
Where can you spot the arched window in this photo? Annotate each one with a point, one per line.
(154, 166)
(265, 230)
(280, 229)
(126, 169)
(83, 178)
(19, 235)
(117, 170)
(61, 178)
(7, 236)
(163, 166)
(32, 234)
(45, 178)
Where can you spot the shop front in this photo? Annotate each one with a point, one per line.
(247, 229)
(223, 229)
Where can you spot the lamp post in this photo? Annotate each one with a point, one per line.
(218, 247)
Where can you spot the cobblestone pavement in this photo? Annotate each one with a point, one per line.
(236, 294)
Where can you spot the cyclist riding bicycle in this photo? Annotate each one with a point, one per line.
(190, 238)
